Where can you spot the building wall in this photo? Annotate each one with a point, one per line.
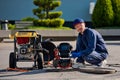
(18, 9)
(15, 9)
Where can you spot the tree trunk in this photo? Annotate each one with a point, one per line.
(47, 13)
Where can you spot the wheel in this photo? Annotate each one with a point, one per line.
(40, 62)
(55, 63)
(12, 60)
(1, 39)
(50, 47)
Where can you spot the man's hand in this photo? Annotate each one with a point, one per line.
(75, 54)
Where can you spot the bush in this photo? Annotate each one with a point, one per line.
(56, 22)
(53, 15)
(11, 27)
(116, 9)
(35, 22)
(28, 19)
(37, 11)
(41, 16)
(44, 22)
(49, 22)
(45, 7)
(103, 14)
(55, 4)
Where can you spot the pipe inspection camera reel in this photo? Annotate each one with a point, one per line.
(62, 56)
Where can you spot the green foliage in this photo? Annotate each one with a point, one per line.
(53, 15)
(49, 28)
(58, 22)
(42, 3)
(55, 4)
(41, 16)
(11, 27)
(46, 15)
(103, 14)
(116, 9)
(37, 11)
(44, 22)
(45, 6)
(28, 19)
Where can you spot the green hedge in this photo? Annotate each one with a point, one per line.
(103, 14)
(58, 22)
(28, 19)
(11, 26)
(116, 9)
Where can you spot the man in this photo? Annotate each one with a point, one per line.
(90, 46)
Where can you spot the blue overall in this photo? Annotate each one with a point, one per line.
(90, 47)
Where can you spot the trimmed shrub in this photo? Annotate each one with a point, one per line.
(11, 27)
(35, 23)
(55, 4)
(58, 22)
(53, 15)
(28, 19)
(41, 16)
(37, 11)
(44, 22)
(103, 14)
(45, 13)
(45, 6)
(116, 9)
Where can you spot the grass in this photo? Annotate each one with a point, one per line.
(49, 28)
(12, 27)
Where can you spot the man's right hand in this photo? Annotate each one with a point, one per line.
(75, 54)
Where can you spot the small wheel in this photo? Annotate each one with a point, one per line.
(55, 63)
(1, 39)
(12, 60)
(40, 62)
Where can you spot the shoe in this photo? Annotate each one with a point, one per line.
(102, 64)
(78, 65)
(75, 64)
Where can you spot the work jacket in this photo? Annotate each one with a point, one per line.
(90, 41)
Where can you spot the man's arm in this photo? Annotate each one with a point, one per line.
(91, 43)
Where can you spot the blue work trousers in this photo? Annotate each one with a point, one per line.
(93, 58)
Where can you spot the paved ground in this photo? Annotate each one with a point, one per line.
(6, 48)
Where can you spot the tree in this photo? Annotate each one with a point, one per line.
(116, 9)
(45, 13)
(103, 14)
(44, 8)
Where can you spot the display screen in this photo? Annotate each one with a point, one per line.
(65, 47)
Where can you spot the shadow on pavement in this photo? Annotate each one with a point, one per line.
(6, 73)
(88, 70)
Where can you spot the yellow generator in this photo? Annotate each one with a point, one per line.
(27, 47)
